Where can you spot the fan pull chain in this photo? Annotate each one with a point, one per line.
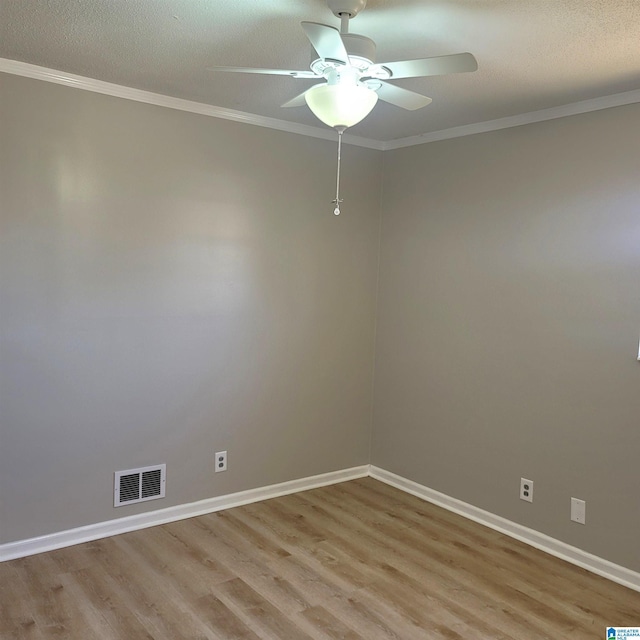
(337, 201)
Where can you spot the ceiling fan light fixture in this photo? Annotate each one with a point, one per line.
(341, 105)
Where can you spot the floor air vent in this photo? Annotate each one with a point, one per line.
(139, 485)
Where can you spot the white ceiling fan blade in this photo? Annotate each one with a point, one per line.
(404, 98)
(270, 72)
(437, 66)
(299, 100)
(326, 41)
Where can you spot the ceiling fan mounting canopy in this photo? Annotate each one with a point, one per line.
(346, 7)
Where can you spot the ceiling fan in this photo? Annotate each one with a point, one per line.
(353, 81)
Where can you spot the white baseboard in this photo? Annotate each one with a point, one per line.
(604, 568)
(609, 570)
(31, 546)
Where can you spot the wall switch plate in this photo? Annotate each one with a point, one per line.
(221, 461)
(526, 489)
(578, 510)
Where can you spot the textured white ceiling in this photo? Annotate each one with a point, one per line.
(532, 54)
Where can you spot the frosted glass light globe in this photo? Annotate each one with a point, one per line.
(341, 105)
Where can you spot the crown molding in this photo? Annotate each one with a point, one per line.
(128, 93)
(575, 108)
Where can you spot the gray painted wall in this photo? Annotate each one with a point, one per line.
(172, 285)
(508, 324)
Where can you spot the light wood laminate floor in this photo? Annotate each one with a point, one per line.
(354, 560)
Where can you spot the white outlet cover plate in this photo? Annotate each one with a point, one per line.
(529, 491)
(221, 461)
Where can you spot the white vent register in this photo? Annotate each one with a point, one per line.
(139, 485)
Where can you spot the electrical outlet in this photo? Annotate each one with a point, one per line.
(578, 511)
(526, 489)
(221, 461)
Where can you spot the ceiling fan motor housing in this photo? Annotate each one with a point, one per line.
(359, 47)
(361, 51)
